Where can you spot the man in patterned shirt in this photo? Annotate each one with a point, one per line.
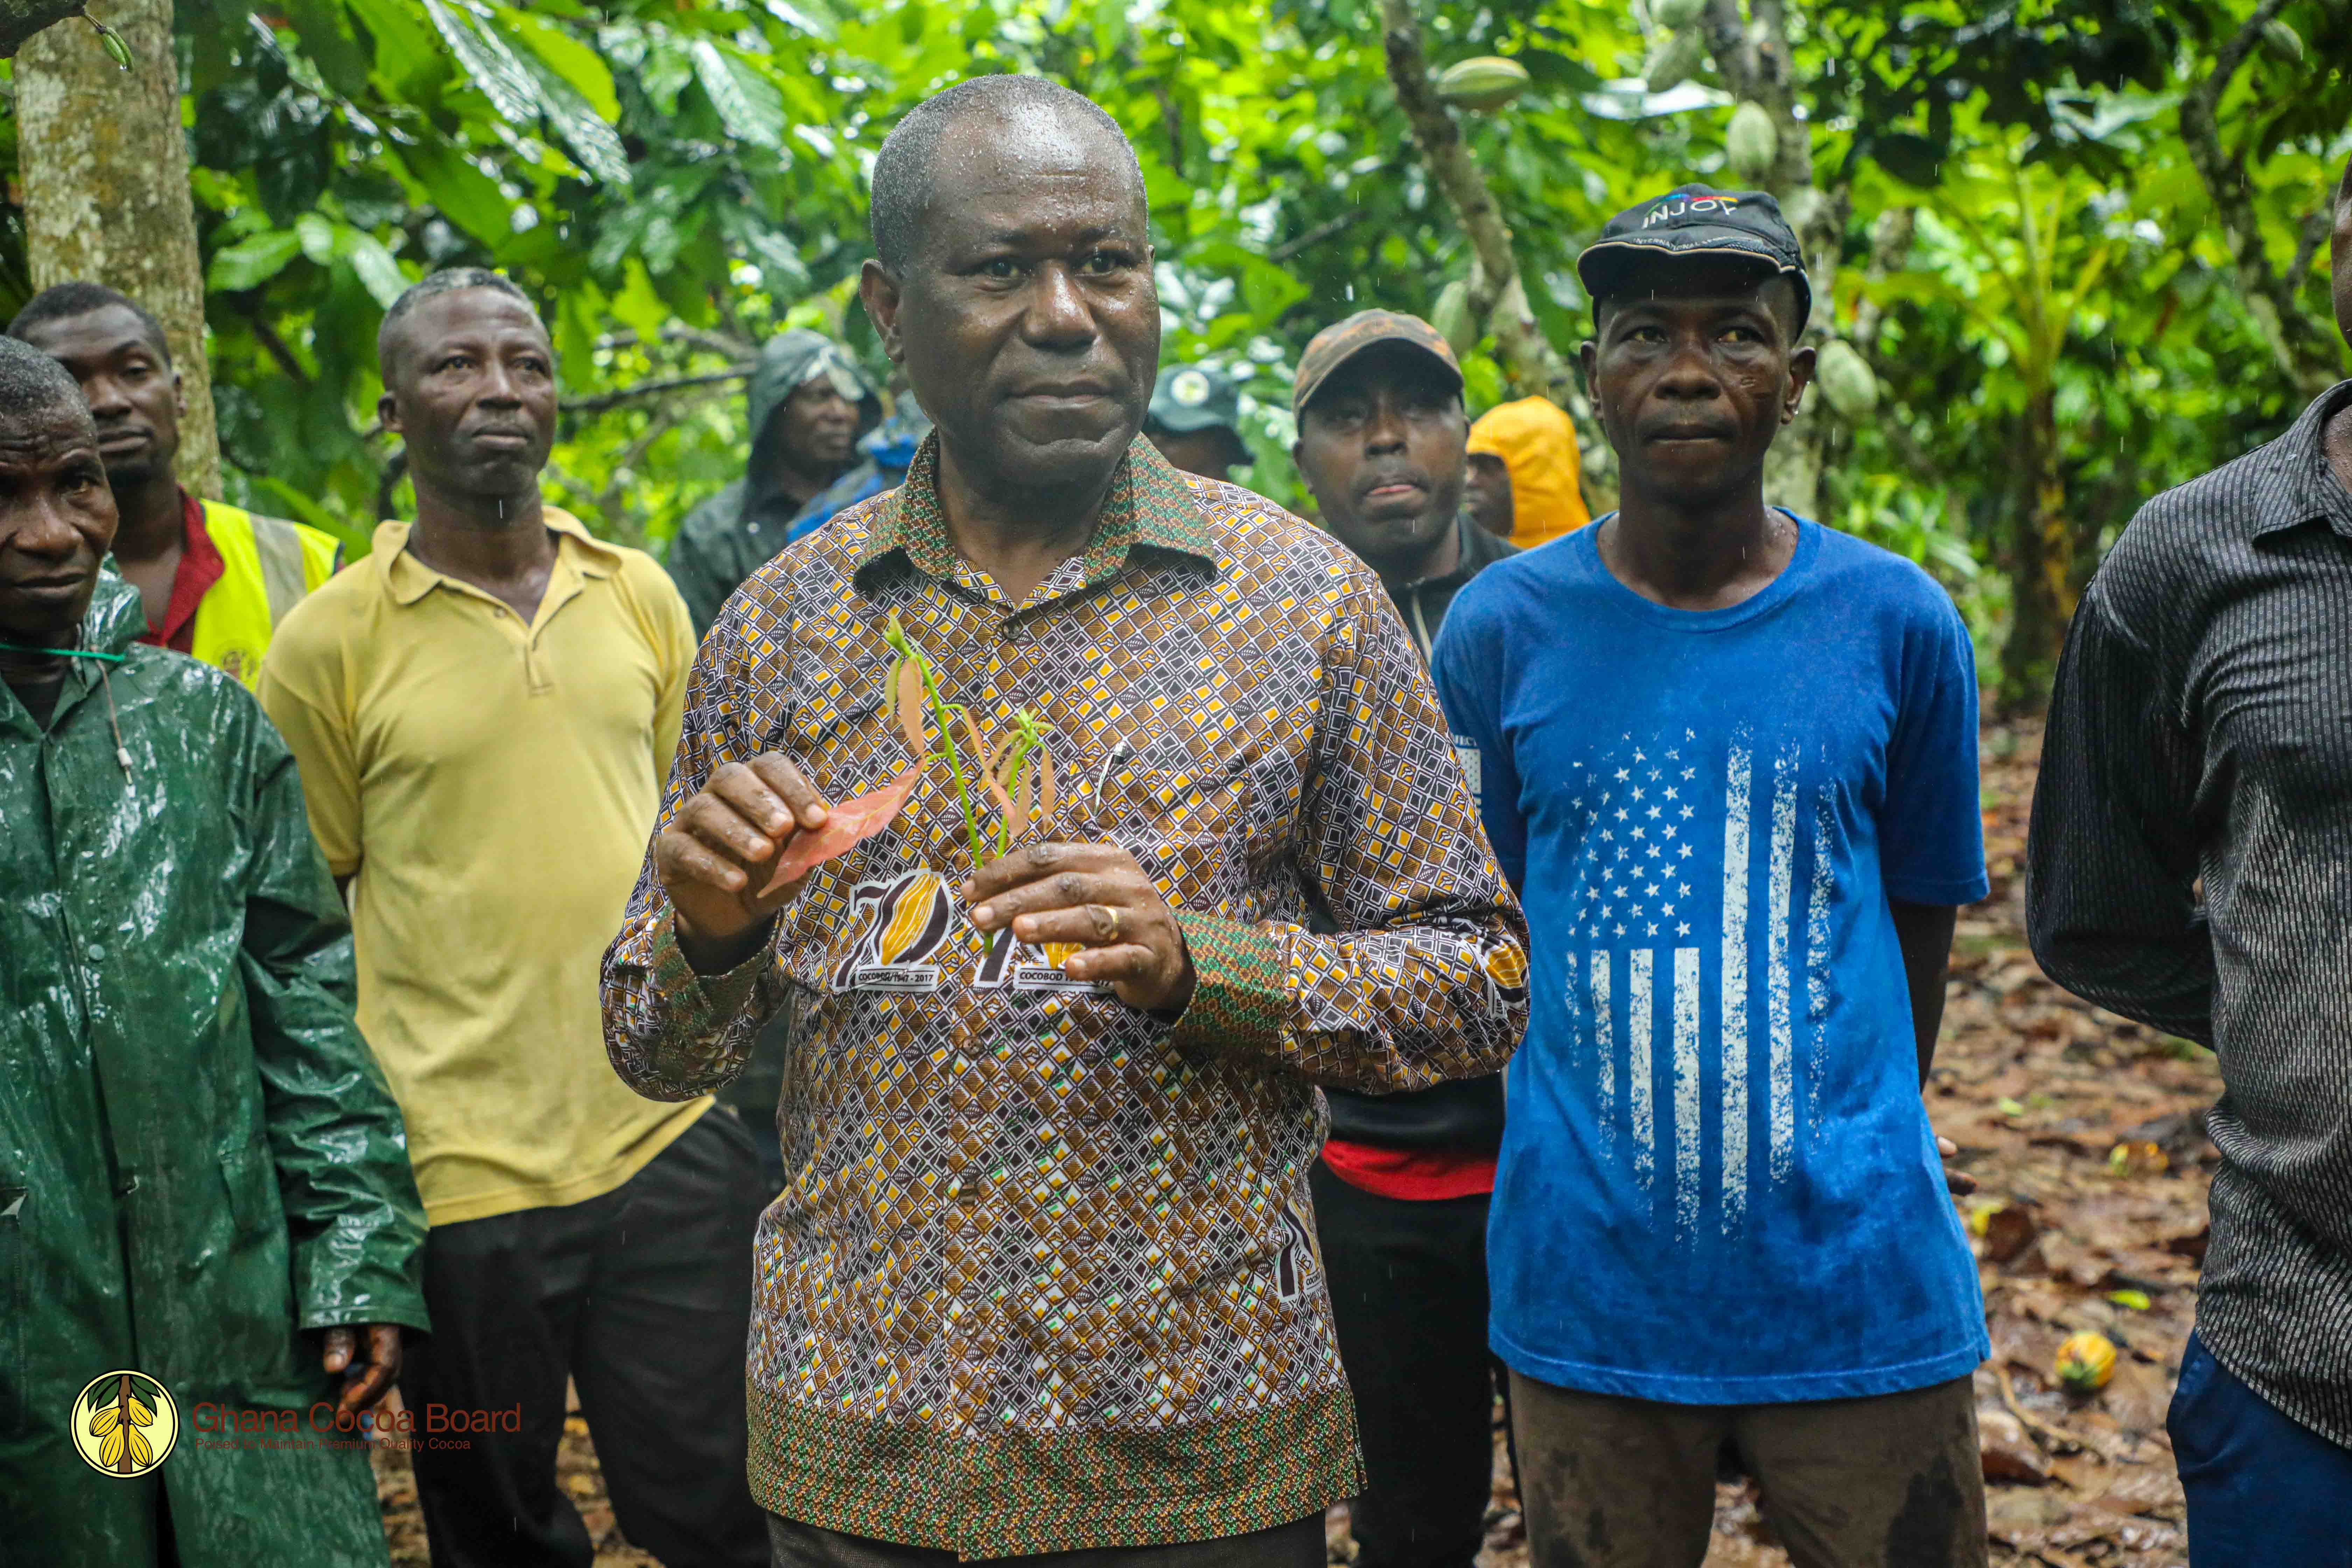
(1042, 1275)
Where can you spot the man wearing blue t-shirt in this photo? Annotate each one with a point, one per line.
(1727, 757)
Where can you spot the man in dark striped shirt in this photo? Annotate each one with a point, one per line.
(2202, 729)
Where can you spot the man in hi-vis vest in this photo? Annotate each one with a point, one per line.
(216, 580)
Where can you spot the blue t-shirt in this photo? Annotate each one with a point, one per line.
(1719, 1184)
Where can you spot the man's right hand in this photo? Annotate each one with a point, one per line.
(720, 849)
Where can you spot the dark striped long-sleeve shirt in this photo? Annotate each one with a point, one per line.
(2202, 729)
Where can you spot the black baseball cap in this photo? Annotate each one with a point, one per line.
(1694, 220)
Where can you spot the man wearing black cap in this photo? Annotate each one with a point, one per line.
(1195, 421)
(1402, 1190)
(1728, 757)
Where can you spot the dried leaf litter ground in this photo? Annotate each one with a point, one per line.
(2084, 1132)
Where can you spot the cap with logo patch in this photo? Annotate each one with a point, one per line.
(1694, 220)
(1336, 344)
(1189, 397)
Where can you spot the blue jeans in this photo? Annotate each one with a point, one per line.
(2264, 1492)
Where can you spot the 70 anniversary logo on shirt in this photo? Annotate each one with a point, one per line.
(903, 921)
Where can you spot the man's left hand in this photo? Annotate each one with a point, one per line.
(1096, 895)
(367, 1357)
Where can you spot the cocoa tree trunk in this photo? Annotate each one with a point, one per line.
(1752, 56)
(105, 171)
(2041, 564)
(1499, 298)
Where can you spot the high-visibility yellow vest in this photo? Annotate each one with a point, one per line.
(268, 564)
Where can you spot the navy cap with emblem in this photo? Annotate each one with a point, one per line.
(1189, 397)
(1690, 221)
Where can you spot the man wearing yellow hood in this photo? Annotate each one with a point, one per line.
(1524, 471)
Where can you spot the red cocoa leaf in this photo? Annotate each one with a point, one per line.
(846, 825)
(987, 761)
(1029, 788)
(907, 683)
(1046, 790)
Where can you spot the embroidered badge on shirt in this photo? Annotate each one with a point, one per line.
(1011, 964)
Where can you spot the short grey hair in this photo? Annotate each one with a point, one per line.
(902, 171)
(448, 280)
(31, 383)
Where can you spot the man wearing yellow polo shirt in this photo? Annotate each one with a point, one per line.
(216, 580)
(484, 712)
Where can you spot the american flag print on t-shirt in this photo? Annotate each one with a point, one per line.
(1698, 960)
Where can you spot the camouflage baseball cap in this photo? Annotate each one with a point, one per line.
(1336, 344)
(1189, 397)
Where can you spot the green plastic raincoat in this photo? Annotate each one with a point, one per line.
(199, 1157)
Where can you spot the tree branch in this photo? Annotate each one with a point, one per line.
(20, 19)
(603, 400)
(724, 344)
(1498, 296)
(2299, 341)
(1890, 247)
(1314, 237)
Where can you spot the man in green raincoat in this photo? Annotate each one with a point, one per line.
(203, 1177)
(808, 405)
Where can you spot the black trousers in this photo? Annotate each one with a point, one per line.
(1408, 1283)
(643, 1296)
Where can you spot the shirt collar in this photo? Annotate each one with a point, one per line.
(1149, 505)
(2299, 485)
(408, 579)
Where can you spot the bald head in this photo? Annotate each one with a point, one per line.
(1023, 112)
(57, 514)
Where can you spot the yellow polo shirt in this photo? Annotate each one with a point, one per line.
(490, 787)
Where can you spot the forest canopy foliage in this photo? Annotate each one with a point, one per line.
(2081, 243)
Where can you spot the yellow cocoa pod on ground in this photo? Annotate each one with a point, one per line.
(1484, 84)
(2086, 1361)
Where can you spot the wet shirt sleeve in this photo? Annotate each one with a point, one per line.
(2112, 854)
(1425, 978)
(672, 1034)
(1931, 830)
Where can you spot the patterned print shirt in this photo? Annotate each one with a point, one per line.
(2190, 866)
(1042, 1275)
